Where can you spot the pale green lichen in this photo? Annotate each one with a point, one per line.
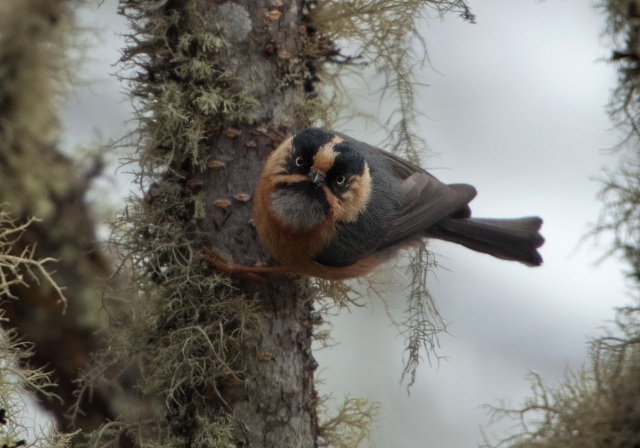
(192, 96)
(381, 36)
(17, 380)
(23, 268)
(183, 337)
(350, 425)
(33, 73)
(234, 20)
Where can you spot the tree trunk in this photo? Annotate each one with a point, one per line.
(209, 75)
(276, 404)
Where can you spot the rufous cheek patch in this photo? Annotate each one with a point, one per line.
(356, 199)
(277, 159)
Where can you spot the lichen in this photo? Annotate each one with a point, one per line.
(350, 425)
(16, 376)
(183, 91)
(235, 21)
(593, 407)
(23, 268)
(376, 39)
(183, 336)
(33, 75)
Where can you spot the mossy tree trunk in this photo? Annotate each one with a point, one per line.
(212, 77)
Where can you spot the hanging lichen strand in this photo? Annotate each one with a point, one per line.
(621, 187)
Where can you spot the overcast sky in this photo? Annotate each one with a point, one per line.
(515, 105)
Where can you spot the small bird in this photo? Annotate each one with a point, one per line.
(329, 206)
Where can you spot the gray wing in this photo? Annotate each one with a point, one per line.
(420, 200)
(425, 201)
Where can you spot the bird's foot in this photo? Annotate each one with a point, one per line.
(248, 272)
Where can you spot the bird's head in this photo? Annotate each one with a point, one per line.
(317, 176)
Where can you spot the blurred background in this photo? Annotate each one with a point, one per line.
(514, 105)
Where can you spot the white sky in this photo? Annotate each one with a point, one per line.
(516, 107)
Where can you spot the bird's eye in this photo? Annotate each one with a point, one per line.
(341, 180)
(300, 161)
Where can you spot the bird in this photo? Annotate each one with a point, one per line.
(329, 206)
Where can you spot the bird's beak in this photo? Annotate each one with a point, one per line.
(317, 177)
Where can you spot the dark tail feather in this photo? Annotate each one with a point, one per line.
(509, 239)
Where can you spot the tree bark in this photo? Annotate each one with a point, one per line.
(204, 155)
(277, 403)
